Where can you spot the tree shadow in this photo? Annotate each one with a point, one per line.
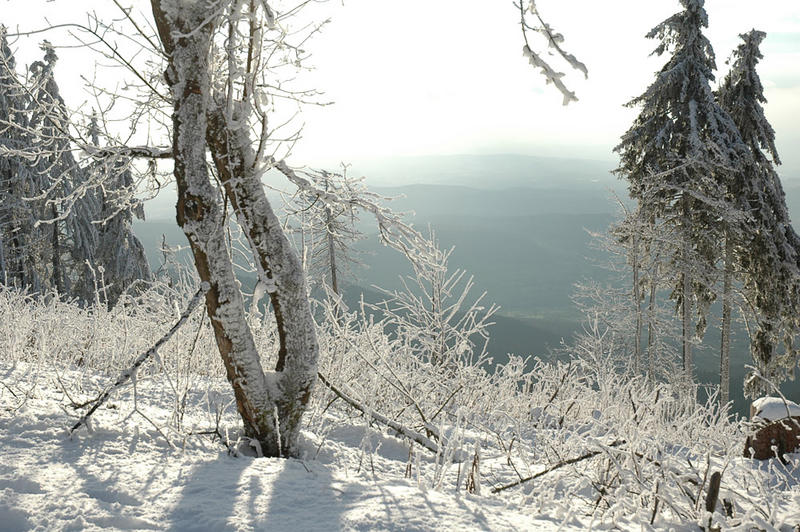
(209, 494)
(272, 494)
(302, 496)
(115, 502)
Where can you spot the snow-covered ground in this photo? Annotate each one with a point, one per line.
(163, 454)
(125, 476)
(132, 473)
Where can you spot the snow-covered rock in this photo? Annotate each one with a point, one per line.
(773, 409)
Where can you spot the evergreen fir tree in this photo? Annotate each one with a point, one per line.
(119, 253)
(64, 226)
(70, 206)
(769, 254)
(25, 251)
(676, 157)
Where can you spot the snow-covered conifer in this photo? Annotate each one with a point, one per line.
(70, 205)
(25, 248)
(674, 157)
(769, 251)
(119, 252)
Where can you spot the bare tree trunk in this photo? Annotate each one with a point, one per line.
(331, 248)
(3, 268)
(651, 328)
(57, 274)
(686, 318)
(637, 301)
(20, 267)
(271, 405)
(725, 344)
(686, 297)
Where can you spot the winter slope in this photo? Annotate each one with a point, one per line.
(123, 476)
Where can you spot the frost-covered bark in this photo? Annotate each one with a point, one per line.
(271, 405)
(279, 268)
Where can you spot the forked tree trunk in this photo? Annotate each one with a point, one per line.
(271, 405)
(279, 267)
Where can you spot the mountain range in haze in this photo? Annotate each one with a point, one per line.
(521, 225)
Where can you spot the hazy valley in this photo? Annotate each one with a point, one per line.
(521, 225)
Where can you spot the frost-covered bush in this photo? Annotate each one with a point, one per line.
(577, 438)
(54, 332)
(620, 448)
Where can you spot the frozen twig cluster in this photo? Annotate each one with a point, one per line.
(529, 12)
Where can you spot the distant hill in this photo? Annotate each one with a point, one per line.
(527, 264)
(485, 171)
(456, 200)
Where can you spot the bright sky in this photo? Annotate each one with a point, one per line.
(448, 76)
(426, 77)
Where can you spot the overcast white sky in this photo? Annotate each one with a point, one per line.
(423, 77)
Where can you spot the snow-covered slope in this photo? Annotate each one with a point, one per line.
(576, 444)
(131, 473)
(125, 476)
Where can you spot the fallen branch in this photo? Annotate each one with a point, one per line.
(130, 372)
(400, 429)
(559, 465)
(9, 389)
